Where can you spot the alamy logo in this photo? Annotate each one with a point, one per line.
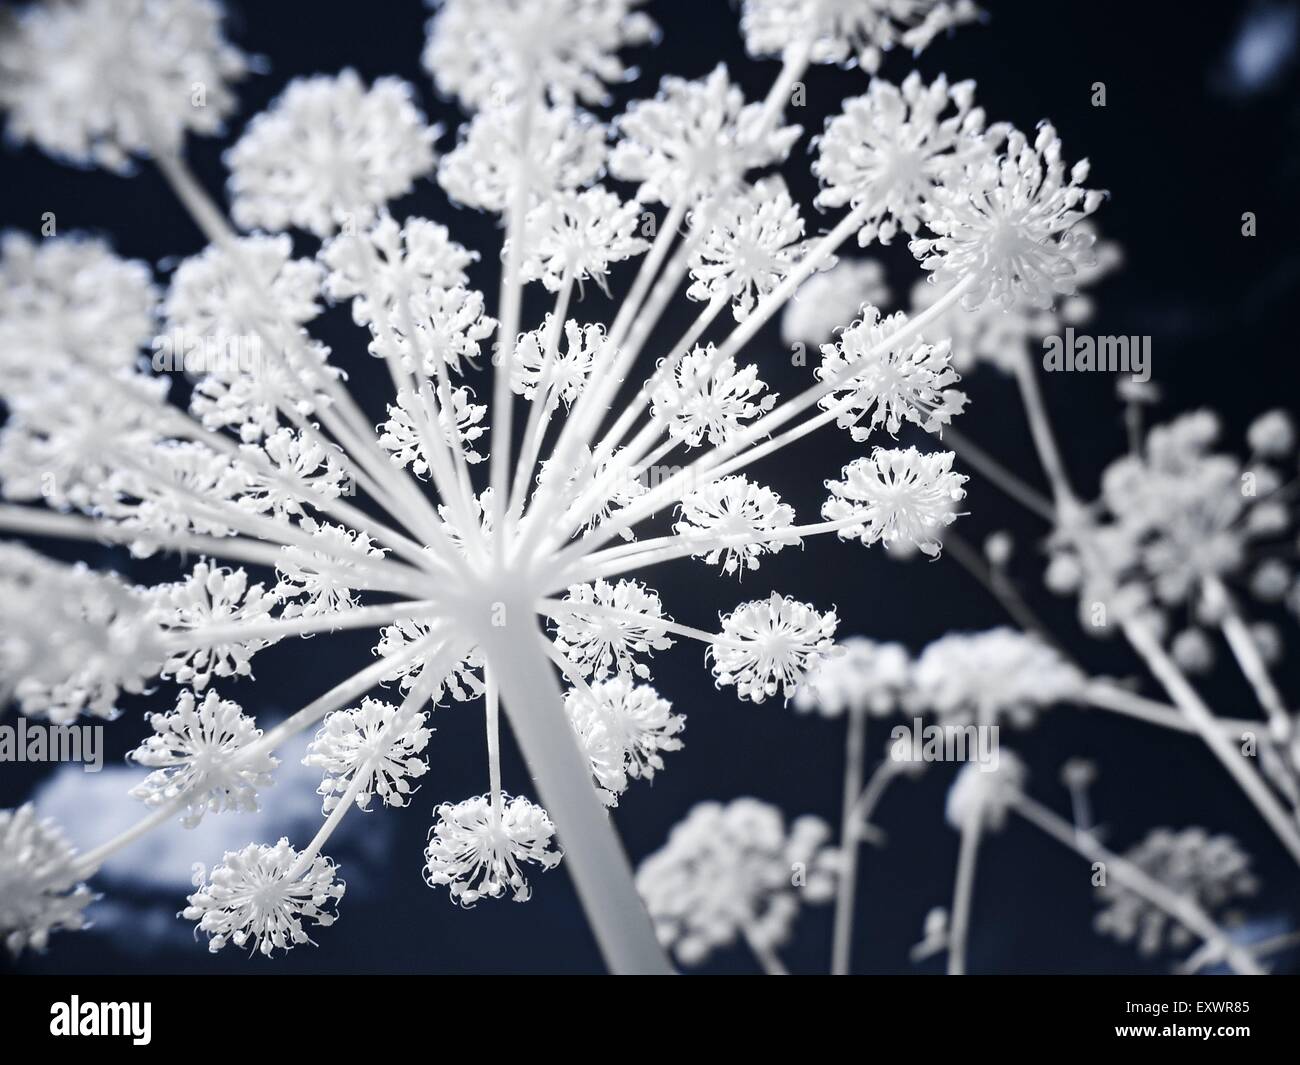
(79, 1018)
(1105, 354)
(29, 741)
(946, 743)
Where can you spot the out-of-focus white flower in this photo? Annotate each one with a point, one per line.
(628, 620)
(329, 153)
(1271, 580)
(982, 677)
(735, 507)
(485, 50)
(197, 752)
(211, 596)
(901, 496)
(97, 81)
(735, 871)
(624, 728)
(892, 150)
(250, 900)
(990, 334)
(998, 548)
(1009, 226)
(751, 243)
(378, 268)
(1212, 871)
(476, 850)
(840, 31)
(985, 792)
(566, 151)
(699, 400)
(832, 299)
(570, 364)
(39, 892)
(695, 139)
(1192, 650)
(579, 234)
(896, 381)
(1183, 505)
(862, 677)
(1272, 434)
(71, 640)
(69, 298)
(377, 739)
(767, 646)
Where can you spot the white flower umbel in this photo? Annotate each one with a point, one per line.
(896, 496)
(198, 754)
(767, 646)
(1010, 225)
(71, 640)
(39, 889)
(211, 596)
(896, 147)
(751, 245)
(317, 523)
(709, 397)
(574, 236)
(259, 898)
(737, 521)
(909, 382)
(476, 847)
(375, 741)
(624, 728)
(603, 625)
(736, 871)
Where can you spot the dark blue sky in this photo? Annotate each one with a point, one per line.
(1184, 145)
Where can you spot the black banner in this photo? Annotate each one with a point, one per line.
(919, 1014)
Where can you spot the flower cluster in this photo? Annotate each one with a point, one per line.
(1211, 870)
(456, 517)
(261, 896)
(39, 888)
(476, 847)
(735, 871)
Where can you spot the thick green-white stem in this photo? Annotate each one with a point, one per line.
(592, 851)
(854, 745)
